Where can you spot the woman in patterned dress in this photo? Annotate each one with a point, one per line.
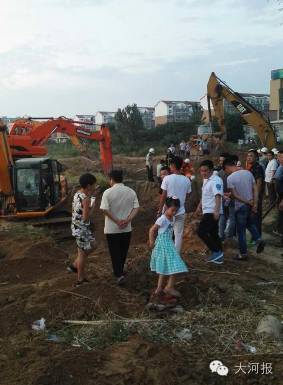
(165, 260)
(82, 211)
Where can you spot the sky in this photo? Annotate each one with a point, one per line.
(67, 57)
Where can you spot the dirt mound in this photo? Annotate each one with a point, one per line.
(191, 242)
(80, 164)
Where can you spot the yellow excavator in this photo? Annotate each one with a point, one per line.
(218, 90)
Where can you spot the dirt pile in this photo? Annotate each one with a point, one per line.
(191, 242)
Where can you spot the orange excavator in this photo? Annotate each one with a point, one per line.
(28, 137)
(218, 90)
(31, 185)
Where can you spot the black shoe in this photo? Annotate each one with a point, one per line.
(121, 280)
(72, 269)
(80, 283)
(260, 247)
(240, 257)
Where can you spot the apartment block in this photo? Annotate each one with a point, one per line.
(276, 102)
(259, 101)
(169, 111)
(147, 114)
(104, 117)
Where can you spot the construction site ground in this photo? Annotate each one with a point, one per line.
(221, 306)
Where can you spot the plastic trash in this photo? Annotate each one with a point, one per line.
(184, 334)
(39, 325)
(53, 338)
(249, 348)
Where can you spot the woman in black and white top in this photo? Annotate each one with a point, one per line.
(82, 211)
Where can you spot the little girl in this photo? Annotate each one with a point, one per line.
(165, 260)
(83, 210)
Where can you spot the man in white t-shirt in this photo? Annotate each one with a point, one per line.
(176, 185)
(269, 174)
(211, 208)
(120, 206)
(182, 149)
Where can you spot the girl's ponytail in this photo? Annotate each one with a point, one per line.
(172, 202)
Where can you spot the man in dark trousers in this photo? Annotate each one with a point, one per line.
(258, 173)
(211, 208)
(278, 178)
(243, 189)
(149, 164)
(120, 205)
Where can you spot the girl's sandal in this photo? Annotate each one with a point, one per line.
(163, 297)
(174, 293)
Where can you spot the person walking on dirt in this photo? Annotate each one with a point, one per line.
(188, 170)
(269, 174)
(278, 178)
(160, 165)
(242, 186)
(120, 206)
(172, 149)
(182, 147)
(149, 164)
(211, 208)
(82, 213)
(187, 150)
(263, 161)
(258, 173)
(179, 186)
(227, 225)
(165, 259)
(169, 157)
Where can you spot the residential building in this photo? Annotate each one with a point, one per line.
(147, 114)
(104, 117)
(85, 118)
(276, 102)
(59, 137)
(259, 101)
(276, 95)
(168, 111)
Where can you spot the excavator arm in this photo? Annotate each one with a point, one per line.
(7, 198)
(28, 137)
(217, 91)
(6, 162)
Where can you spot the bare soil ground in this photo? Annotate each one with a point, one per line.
(221, 305)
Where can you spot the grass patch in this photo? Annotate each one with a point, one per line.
(23, 230)
(73, 180)
(62, 150)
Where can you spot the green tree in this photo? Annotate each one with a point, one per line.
(234, 127)
(129, 125)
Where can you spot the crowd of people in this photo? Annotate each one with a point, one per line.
(231, 205)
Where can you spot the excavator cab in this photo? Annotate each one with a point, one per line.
(36, 184)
